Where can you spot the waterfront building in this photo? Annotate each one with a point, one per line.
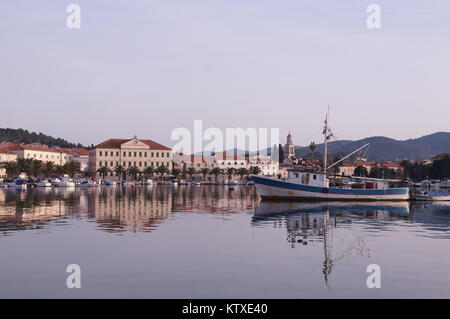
(79, 155)
(347, 169)
(41, 153)
(135, 152)
(268, 166)
(224, 160)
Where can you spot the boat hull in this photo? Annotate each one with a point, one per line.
(273, 189)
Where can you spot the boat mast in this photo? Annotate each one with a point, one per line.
(327, 133)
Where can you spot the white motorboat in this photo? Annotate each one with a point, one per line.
(43, 183)
(65, 182)
(432, 196)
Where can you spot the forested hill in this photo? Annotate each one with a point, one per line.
(384, 148)
(24, 136)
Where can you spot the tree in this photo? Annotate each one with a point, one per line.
(103, 171)
(204, 171)
(48, 168)
(59, 169)
(11, 168)
(161, 170)
(72, 168)
(361, 171)
(281, 152)
(312, 148)
(36, 167)
(119, 170)
(191, 171)
(335, 168)
(255, 170)
(24, 165)
(230, 171)
(176, 172)
(242, 171)
(216, 172)
(133, 171)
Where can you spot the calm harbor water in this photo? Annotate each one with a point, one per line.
(213, 242)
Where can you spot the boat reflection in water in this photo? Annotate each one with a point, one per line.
(315, 222)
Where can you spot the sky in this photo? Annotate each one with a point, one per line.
(146, 67)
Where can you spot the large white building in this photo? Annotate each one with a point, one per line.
(44, 154)
(135, 152)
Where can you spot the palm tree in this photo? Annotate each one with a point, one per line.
(162, 169)
(242, 171)
(312, 148)
(216, 172)
(191, 171)
(72, 168)
(204, 171)
(11, 168)
(24, 165)
(230, 171)
(148, 172)
(36, 167)
(103, 171)
(176, 172)
(133, 171)
(119, 170)
(48, 168)
(60, 169)
(255, 170)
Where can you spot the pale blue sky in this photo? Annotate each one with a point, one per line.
(145, 67)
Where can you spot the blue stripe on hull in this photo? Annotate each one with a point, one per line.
(329, 190)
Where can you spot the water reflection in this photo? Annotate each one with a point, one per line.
(316, 223)
(117, 209)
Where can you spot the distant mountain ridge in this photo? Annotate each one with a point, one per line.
(24, 136)
(385, 148)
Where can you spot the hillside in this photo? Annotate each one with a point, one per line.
(384, 148)
(23, 136)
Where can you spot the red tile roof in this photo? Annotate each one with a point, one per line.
(33, 148)
(117, 142)
(5, 151)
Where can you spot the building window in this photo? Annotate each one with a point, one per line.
(100, 153)
(157, 154)
(124, 154)
(129, 154)
(314, 176)
(145, 164)
(100, 163)
(140, 154)
(162, 154)
(134, 154)
(153, 154)
(129, 164)
(145, 154)
(112, 163)
(117, 154)
(140, 164)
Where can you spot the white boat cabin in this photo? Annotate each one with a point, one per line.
(317, 179)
